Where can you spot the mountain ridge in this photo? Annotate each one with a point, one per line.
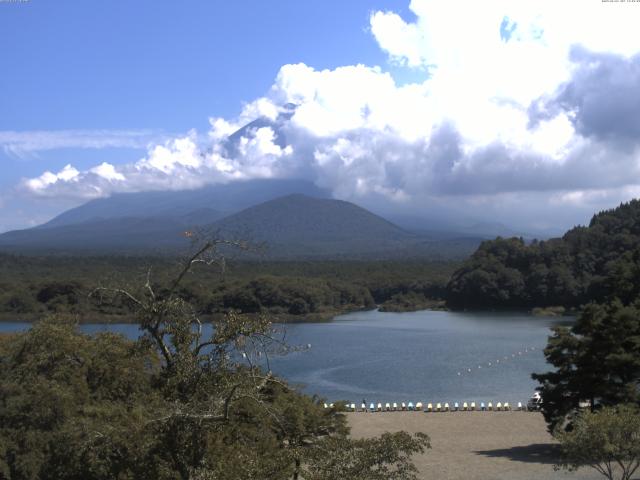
(293, 226)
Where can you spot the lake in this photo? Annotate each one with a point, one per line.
(423, 356)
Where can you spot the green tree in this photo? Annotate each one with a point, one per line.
(607, 441)
(596, 360)
(385, 458)
(176, 404)
(72, 405)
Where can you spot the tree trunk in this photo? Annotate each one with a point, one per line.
(296, 472)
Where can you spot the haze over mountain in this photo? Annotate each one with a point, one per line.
(217, 200)
(293, 226)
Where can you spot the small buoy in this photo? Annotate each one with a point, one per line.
(468, 369)
(458, 373)
(489, 363)
(479, 366)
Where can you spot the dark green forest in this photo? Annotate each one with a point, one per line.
(31, 287)
(596, 263)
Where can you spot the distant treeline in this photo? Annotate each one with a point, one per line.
(31, 287)
(588, 264)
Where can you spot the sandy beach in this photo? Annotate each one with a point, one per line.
(475, 445)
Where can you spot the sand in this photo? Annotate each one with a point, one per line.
(475, 445)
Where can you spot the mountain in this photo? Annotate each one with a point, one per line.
(295, 226)
(151, 235)
(223, 199)
(299, 225)
(248, 131)
(294, 217)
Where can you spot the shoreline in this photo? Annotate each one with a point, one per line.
(279, 318)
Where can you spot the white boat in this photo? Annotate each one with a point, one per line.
(535, 402)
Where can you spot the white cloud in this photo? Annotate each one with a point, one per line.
(108, 172)
(510, 110)
(48, 179)
(178, 164)
(175, 154)
(23, 144)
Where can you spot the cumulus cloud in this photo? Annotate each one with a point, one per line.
(521, 103)
(602, 98)
(178, 164)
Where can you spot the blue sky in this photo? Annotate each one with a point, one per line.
(160, 66)
(164, 66)
(103, 97)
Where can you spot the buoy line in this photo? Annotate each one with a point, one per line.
(497, 362)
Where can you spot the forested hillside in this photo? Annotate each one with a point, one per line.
(595, 263)
(31, 287)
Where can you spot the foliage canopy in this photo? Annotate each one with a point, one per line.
(175, 404)
(607, 441)
(597, 263)
(596, 360)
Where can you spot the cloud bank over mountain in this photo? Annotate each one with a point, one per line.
(527, 112)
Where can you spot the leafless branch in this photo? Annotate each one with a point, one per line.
(148, 285)
(116, 291)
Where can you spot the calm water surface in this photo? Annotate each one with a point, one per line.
(419, 356)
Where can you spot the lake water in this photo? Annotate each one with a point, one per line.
(419, 356)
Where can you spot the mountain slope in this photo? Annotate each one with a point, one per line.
(225, 199)
(292, 227)
(150, 235)
(298, 225)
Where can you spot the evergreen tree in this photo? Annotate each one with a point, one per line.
(596, 360)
